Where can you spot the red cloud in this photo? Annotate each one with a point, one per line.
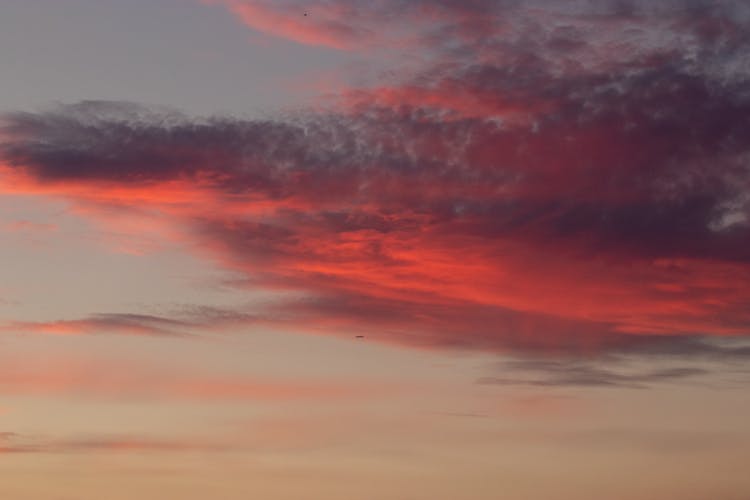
(504, 202)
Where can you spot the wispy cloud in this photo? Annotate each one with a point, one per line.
(571, 374)
(29, 226)
(138, 381)
(16, 443)
(104, 323)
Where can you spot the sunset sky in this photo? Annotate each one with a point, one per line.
(375, 249)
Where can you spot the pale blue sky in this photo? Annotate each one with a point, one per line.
(185, 54)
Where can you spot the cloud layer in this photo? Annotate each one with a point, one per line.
(555, 176)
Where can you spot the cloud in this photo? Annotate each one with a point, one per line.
(567, 34)
(29, 226)
(138, 381)
(357, 24)
(119, 323)
(16, 443)
(577, 185)
(551, 373)
(637, 362)
(319, 23)
(729, 350)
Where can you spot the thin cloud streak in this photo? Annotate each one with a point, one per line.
(123, 381)
(12, 443)
(118, 323)
(560, 374)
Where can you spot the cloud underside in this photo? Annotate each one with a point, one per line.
(539, 186)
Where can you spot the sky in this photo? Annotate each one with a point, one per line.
(404, 249)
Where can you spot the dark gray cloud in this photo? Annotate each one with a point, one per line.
(678, 359)
(552, 373)
(689, 347)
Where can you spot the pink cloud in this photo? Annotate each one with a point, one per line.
(86, 379)
(30, 226)
(323, 24)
